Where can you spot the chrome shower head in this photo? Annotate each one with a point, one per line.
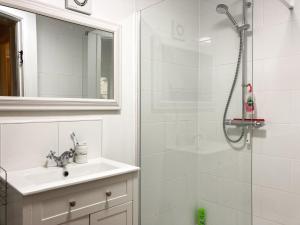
(222, 9)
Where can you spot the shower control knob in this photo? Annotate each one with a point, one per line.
(108, 194)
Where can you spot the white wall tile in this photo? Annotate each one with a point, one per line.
(274, 8)
(256, 200)
(35, 140)
(26, 145)
(154, 138)
(261, 221)
(276, 146)
(282, 72)
(296, 177)
(142, 4)
(272, 172)
(235, 195)
(258, 12)
(280, 207)
(279, 140)
(273, 41)
(295, 106)
(208, 187)
(275, 107)
(259, 79)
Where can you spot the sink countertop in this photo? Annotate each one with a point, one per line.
(41, 179)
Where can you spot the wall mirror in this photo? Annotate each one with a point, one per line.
(56, 62)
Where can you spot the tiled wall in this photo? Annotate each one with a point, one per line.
(276, 157)
(223, 174)
(223, 169)
(26, 145)
(185, 83)
(169, 113)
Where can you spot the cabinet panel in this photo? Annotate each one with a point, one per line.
(55, 207)
(119, 215)
(81, 221)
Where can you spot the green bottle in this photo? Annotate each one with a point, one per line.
(201, 217)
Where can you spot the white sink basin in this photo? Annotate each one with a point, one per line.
(40, 179)
(43, 176)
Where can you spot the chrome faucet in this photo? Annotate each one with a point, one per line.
(63, 159)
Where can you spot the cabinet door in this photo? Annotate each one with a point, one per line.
(119, 215)
(81, 221)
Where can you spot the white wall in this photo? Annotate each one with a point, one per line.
(19, 141)
(118, 144)
(110, 10)
(118, 128)
(276, 159)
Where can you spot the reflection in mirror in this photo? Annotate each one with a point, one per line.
(8, 50)
(60, 59)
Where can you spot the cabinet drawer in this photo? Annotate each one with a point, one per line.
(119, 215)
(82, 221)
(59, 206)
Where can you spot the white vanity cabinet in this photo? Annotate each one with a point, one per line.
(102, 202)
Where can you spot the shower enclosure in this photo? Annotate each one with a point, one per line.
(196, 62)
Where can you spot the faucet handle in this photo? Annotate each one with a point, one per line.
(51, 155)
(74, 139)
(71, 153)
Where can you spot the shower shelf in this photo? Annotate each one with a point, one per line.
(257, 123)
(3, 194)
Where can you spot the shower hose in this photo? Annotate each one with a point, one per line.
(231, 93)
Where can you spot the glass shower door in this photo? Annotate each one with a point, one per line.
(189, 55)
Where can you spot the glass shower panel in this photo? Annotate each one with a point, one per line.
(189, 55)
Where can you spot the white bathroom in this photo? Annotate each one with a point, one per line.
(149, 112)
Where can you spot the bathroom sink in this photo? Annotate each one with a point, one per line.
(72, 171)
(40, 179)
